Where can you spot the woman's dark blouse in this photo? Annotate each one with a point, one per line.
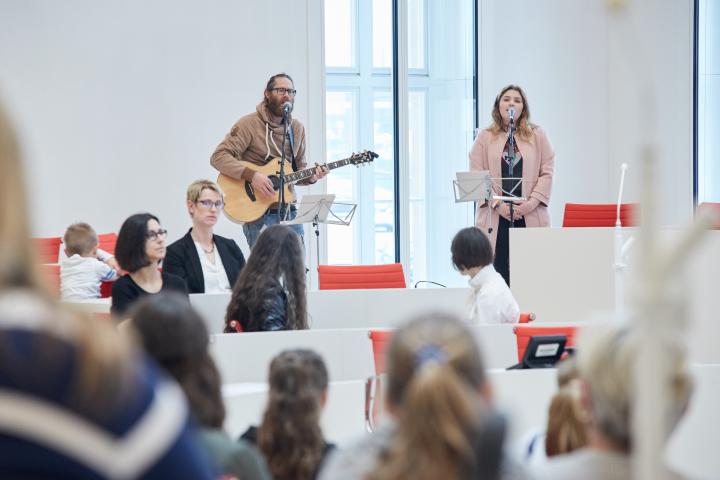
(125, 291)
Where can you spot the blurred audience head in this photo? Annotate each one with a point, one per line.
(290, 436)
(607, 358)
(176, 337)
(438, 394)
(17, 259)
(567, 421)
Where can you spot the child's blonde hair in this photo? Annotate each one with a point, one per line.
(80, 239)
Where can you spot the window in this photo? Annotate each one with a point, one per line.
(440, 106)
(708, 108)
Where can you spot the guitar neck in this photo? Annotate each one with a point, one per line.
(309, 172)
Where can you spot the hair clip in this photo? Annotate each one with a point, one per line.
(429, 353)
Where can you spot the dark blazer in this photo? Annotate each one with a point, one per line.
(182, 259)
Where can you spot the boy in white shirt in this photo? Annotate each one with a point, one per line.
(85, 266)
(491, 300)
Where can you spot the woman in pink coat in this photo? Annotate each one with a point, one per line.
(533, 160)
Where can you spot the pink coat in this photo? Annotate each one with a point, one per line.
(538, 166)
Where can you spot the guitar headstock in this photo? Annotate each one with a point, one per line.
(366, 156)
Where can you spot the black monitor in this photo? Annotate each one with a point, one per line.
(543, 351)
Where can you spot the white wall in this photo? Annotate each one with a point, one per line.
(601, 82)
(120, 104)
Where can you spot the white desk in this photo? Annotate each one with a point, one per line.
(245, 357)
(565, 275)
(352, 308)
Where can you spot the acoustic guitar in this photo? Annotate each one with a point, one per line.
(243, 205)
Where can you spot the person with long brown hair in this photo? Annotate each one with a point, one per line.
(176, 337)
(290, 436)
(270, 292)
(76, 399)
(443, 425)
(531, 159)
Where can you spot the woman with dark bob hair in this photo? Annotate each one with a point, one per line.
(176, 337)
(270, 291)
(531, 159)
(139, 250)
(490, 300)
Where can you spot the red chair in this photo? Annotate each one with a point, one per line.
(524, 332)
(599, 215)
(335, 277)
(715, 208)
(380, 340)
(526, 318)
(106, 289)
(51, 275)
(373, 386)
(47, 249)
(235, 325)
(107, 241)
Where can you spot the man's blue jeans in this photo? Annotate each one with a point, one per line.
(252, 229)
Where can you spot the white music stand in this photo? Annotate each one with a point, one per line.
(475, 186)
(317, 209)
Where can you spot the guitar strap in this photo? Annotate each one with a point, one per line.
(291, 138)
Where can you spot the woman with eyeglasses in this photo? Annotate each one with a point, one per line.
(139, 250)
(207, 262)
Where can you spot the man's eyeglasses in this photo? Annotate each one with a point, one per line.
(155, 234)
(209, 204)
(283, 91)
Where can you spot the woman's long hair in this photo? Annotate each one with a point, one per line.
(523, 125)
(175, 335)
(435, 376)
(101, 380)
(290, 436)
(18, 265)
(275, 265)
(567, 424)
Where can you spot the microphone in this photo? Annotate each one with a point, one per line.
(511, 113)
(287, 107)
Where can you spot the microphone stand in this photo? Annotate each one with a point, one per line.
(282, 204)
(619, 250)
(511, 151)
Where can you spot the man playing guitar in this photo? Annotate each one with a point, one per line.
(257, 139)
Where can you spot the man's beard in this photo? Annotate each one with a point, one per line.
(275, 105)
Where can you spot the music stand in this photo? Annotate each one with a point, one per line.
(317, 209)
(473, 186)
(508, 196)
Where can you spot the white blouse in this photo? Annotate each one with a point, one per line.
(491, 300)
(216, 279)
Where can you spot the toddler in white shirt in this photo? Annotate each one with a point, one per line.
(491, 300)
(85, 266)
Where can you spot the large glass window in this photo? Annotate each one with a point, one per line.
(708, 101)
(440, 107)
(370, 238)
